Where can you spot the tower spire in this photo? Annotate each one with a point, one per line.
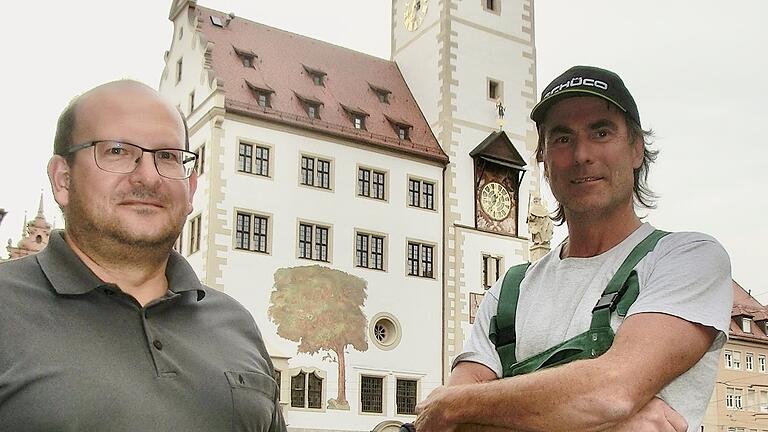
(40, 207)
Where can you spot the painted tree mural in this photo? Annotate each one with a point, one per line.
(321, 308)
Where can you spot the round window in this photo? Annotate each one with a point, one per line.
(385, 331)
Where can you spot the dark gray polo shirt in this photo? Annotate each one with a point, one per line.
(77, 354)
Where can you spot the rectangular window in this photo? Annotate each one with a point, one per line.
(746, 325)
(315, 172)
(402, 132)
(178, 246)
(358, 121)
(421, 193)
(378, 185)
(200, 166)
(317, 79)
(247, 60)
(313, 242)
(313, 110)
(491, 270)
(371, 394)
(178, 70)
(420, 260)
(194, 234)
(243, 231)
(262, 161)
(474, 303)
(364, 182)
(262, 98)
(369, 251)
(245, 158)
(728, 359)
(737, 359)
(493, 90)
(306, 390)
(370, 183)
(761, 363)
(405, 396)
(752, 401)
(191, 102)
(414, 193)
(251, 232)
(749, 362)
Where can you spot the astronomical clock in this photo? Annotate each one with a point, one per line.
(499, 170)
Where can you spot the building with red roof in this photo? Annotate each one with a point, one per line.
(368, 175)
(740, 399)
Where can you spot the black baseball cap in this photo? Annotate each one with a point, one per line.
(587, 81)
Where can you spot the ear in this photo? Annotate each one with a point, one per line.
(192, 188)
(638, 152)
(59, 176)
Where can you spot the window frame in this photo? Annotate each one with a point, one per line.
(195, 232)
(317, 173)
(369, 256)
(422, 193)
(315, 248)
(372, 183)
(421, 260)
(495, 9)
(255, 148)
(416, 396)
(382, 394)
(200, 166)
(179, 69)
(499, 89)
(251, 231)
(306, 373)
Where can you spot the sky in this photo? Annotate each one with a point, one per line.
(696, 68)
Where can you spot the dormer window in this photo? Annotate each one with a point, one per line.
(746, 324)
(401, 127)
(381, 93)
(311, 106)
(262, 93)
(246, 56)
(356, 115)
(318, 76)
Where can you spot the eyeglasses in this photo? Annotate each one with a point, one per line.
(122, 158)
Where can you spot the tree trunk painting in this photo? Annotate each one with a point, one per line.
(321, 309)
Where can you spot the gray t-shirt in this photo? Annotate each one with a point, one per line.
(687, 275)
(78, 354)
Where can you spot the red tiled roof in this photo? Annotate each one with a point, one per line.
(744, 305)
(283, 64)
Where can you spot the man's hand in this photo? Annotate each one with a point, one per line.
(655, 416)
(432, 412)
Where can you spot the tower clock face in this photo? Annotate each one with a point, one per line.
(495, 201)
(415, 11)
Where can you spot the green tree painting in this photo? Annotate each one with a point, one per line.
(321, 308)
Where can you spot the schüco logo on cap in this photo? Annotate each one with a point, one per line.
(576, 82)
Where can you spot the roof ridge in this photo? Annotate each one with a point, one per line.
(299, 35)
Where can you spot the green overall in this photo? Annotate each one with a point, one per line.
(621, 292)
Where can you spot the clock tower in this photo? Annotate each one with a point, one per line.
(471, 65)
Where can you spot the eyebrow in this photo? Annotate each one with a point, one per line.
(602, 123)
(559, 129)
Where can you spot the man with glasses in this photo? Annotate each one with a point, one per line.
(108, 328)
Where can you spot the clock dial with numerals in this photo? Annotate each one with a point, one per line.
(495, 201)
(415, 11)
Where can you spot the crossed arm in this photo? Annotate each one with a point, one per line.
(649, 351)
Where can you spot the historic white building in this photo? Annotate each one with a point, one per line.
(358, 207)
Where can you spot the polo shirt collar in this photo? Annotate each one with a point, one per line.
(69, 275)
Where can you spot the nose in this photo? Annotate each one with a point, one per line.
(145, 171)
(582, 151)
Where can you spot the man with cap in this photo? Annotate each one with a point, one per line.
(664, 298)
(108, 328)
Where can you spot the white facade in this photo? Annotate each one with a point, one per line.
(448, 61)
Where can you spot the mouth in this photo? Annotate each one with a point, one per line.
(582, 180)
(142, 204)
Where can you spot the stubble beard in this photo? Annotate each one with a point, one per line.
(105, 239)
